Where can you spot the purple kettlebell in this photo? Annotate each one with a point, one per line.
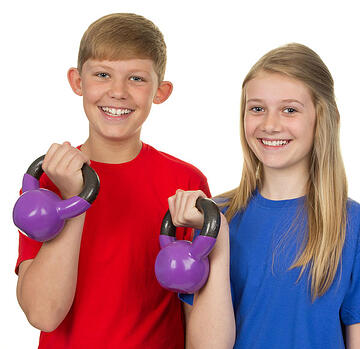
(40, 214)
(183, 266)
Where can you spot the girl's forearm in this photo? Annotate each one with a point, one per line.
(211, 323)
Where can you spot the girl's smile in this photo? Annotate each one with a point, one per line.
(274, 143)
(279, 121)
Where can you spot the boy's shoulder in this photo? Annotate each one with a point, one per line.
(171, 163)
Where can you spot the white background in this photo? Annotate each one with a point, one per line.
(211, 47)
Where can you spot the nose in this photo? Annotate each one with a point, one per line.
(271, 122)
(118, 89)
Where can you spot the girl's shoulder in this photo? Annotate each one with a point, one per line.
(353, 223)
(353, 203)
(353, 209)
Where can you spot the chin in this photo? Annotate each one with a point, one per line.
(276, 165)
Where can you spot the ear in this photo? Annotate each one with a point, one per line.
(163, 92)
(74, 79)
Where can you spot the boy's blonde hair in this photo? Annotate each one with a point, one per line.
(327, 185)
(123, 36)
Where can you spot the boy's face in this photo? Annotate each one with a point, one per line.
(117, 95)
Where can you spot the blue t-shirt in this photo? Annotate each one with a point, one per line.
(273, 309)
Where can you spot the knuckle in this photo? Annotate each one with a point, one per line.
(177, 222)
(173, 218)
(53, 148)
(83, 156)
(44, 164)
(199, 193)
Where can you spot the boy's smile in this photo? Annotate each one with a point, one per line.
(118, 95)
(116, 113)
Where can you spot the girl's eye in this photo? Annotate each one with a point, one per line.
(103, 75)
(289, 110)
(257, 109)
(136, 78)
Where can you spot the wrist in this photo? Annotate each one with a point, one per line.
(67, 194)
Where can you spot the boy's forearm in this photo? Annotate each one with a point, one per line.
(211, 322)
(46, 289)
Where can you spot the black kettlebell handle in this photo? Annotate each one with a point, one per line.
(211, 224)
(91, 179)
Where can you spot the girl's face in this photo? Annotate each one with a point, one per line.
(279, 121)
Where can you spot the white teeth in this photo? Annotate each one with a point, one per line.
(116, 112)
(274, 143)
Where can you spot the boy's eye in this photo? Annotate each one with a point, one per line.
(136, 78)
(289, 110)
(102, 75)
(257, 109)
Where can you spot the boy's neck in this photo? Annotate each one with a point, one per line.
(111, 152)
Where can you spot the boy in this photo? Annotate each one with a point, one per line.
(93, 286)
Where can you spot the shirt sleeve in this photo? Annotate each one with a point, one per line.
(28, 249)
(350, 309)
(186, 298)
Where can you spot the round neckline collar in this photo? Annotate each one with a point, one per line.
(262, 201)
(130, 162)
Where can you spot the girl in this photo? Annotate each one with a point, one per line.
(294, 234)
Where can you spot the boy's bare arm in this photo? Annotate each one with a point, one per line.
(47, 284)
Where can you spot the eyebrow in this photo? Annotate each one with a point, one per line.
(283, 100)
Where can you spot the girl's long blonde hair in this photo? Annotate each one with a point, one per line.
(327, 185)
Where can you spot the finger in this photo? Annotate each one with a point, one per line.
(192, 215)
(63, 164)
(192, 198)
(77, 161)
(180, 199)
(190, 205)
(49, 154)
(171, 202)
(196, 195)
(60, 158)
(200, 193)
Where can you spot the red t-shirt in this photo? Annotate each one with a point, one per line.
(118, 301)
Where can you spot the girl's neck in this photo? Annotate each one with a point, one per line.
(284, 184)
(107, 151)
